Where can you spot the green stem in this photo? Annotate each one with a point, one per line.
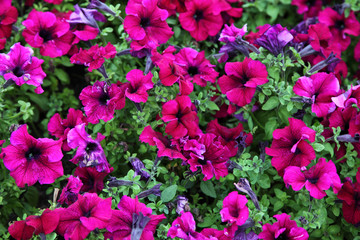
(340, 159)
(255, 119)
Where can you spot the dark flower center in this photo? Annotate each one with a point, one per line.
(103, 99)
(179, 115)
(297, 151)
(90, 147)
(18, 71)
(193, 70)
(339, 24)
(198, 15)
(87, 214)
(282, 236)
(202, 161)
(244, 79)
(145, 22)
(234, 213)
(357, 199)
(45, 34)
(313, 180)
(32, 154)
(310, 3)
(324, 43)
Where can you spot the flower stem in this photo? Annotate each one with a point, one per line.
(255, 119)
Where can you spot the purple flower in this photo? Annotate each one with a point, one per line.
(275, 39)
(21, 67)
(86, 16)
(100, 5)
(138, 167)
(89, 152)
(182, 205)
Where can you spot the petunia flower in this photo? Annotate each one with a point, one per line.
(30, 160)
(200, 19)
(322, 40)
(101, 100)
(234, 209)
(8, 16)
(275, 39)
(318, 178)
(85, 215)
(133, 220)
(89, 152)
(136, 89)
(284, 228)
(319, 88)
(241, 79)
(45, 31)
(86, 16)
(21, 231)
(289, 147)
(60, 127)
(45, 224)
(183, 227)
(139, 167)
(21, 67)
(70, 192)
(93, 180)
(310, 8)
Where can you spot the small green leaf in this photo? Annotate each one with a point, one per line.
(207, 187)
(212, 106)
(169, 193)
(278, 205)
(272, 103)
(318, 147)
(208, 221)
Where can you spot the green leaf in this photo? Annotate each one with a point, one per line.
(208, 221)
(272, 103)
(318, 147)
(62, 75)
(270, 126)
(278, 205)
(264, 181)
(272, 11)
(207, 187)
(169, 193)
(212, 106)
(280, 194)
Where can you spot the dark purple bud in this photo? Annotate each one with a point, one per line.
(340, 8)
(8, 83)
(329, 60)
(154, 190)
(244, 187)
(114, 182)
(348, 138)
(305, 100)
(241, 144)
(262, 146)
(102, 70)
(101, 6)
(138, 225)
(303, 220)
(233, 165)
(86, 16)
(303, 26)
(42, 236)
(182, 205)
(299, 114)
(149, 64)
(307, 51)
(124, 52)
(138, 167)
(240, 233)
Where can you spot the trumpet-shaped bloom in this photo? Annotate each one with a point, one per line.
(93, 180)
(241, 79)
(136, 89)
(318, 178)
(21, 67)
(289, 147)
(70, 192)
(234, 209)
(183, 227)
(30, 160)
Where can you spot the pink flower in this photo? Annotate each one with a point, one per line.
(346, 99)
(21, 67)
(241, 80)
(194, 66)
(93, 180)
(182, 119)
(70, 192)
(43, 30)
(289, 147)
(200, 19)
(212, 160)
(30, 160)
(322, 40)
(310, 8)
(94, 56)
(136, 90)
(46, 223)
(89, 152)
(60, 127)
(54, 1)
(318, 178)
(320, 88)
(21, 231)
(146, 22)
(284, 228)
(234, 209)
(183, 227)
(85, 215)
(8, 16)
(101, 101)
(133, 220)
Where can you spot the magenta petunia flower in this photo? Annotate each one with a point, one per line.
(234, 209)
(318, 178)
(194, 66)
(21, 231)
(350, 194)
(241, 80)
(212, 160)
(60, 127)
(46, 223)
(200, 19)
(89, 152)
(146, 23)
(85, 215)
(70, 192)
(183, 227)
(93, 180)
(322, 40)
(94, 56)
(133, 220)
(348, 98)
(54, 1)
(310, 8)
(101, 100)
(21, 67)
(320, 88)
(284, 228)
(30, 160)
(289, 147)
(136, 89)
(8, 16)
(45, 31)
(182, 120)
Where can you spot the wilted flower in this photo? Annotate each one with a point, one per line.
(86, 16)
(184, 227)
(70, 192)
